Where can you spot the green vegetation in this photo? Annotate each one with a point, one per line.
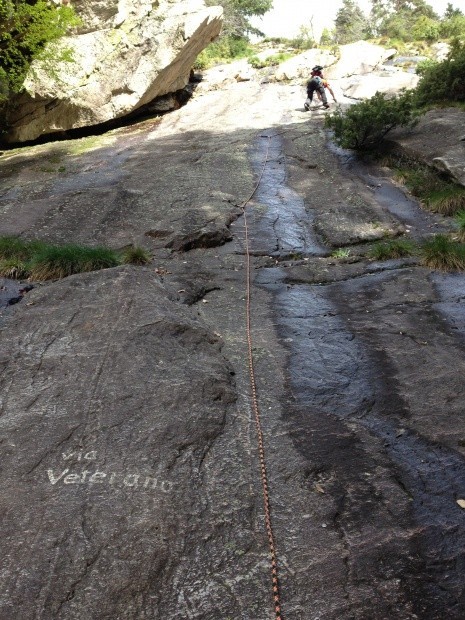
(350, 23)
(341, 253)
(304, 40)
(397, 23)
(270, 61)
(365, 124)
(460, 220)
(54, 262)
(225, 49)
(16, 248)
(394, 248)
(443, 81)
(13, 268)
(440, 252)
(233, 43)
(41, 261)
(25, 28)
(437, 193)
(236, 15)
(136, 255)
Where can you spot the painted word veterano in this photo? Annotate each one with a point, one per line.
(130, 481)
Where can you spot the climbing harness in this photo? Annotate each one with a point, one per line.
(255, 406)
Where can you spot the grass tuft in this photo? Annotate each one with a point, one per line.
(14, 247)
(13, 268)
(447, 201)
(136, 256)
(54, 262)
(41, 261)
(442, 253)
(395, 248)
(460, 220)
(341, 253)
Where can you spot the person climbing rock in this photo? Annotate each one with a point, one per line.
(318, 84)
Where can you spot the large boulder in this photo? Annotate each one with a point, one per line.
(438, 140)
(358, 59)
(390, 83)
(125, 55)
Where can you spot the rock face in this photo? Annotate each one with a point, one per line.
(357, 74)
(113, 473)
(438, 140)
(130, 487)
(359, 58)
(125, 55)
(389, 82)
(300, 66)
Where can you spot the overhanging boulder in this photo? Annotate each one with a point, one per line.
(125, 55)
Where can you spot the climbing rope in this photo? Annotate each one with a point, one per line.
(255, 406)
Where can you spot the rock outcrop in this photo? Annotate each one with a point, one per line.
(357, 74)
(359, 58)
(126, 54)
(300, 65)
(389, 82)
(438, 140)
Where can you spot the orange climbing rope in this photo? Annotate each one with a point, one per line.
(256, 409)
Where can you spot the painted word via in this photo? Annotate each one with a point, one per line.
(79, 455)
(132, 481)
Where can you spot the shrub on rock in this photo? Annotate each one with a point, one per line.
(365, 124)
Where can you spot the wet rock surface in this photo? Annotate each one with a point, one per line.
(130, 480)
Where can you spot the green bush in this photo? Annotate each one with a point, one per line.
(443, 81)
(424, 65)
(425, 29)
(366, 123)
(16, 248)
(453, 27)
(327, 37)
(270, 61)
(304, 40)
(223, 50)
(13, 268)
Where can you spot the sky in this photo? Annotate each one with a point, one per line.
(287, 16)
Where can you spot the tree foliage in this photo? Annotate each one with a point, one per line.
(452, 12)
(453, 24)
(25, 28)
(350, 23)
(443, 81)
(402, 20)
(237, 13)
